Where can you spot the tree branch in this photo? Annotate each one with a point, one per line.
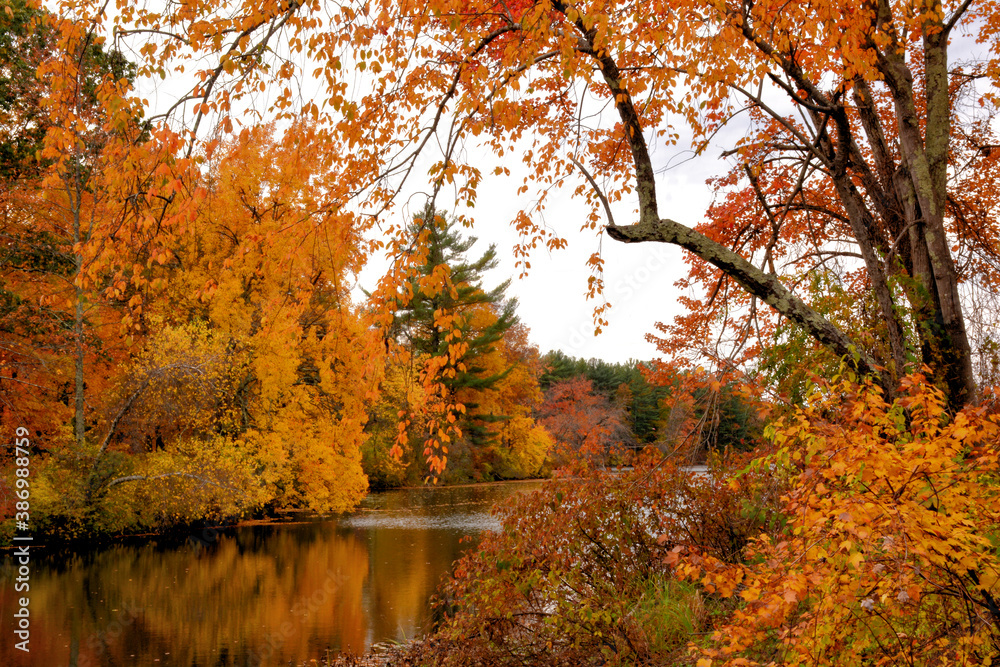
(137, 478)
(597, 190)
(765, 286)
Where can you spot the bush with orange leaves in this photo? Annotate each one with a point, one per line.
(890, 554)
(577, 577)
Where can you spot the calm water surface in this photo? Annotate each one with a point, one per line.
(274, 594)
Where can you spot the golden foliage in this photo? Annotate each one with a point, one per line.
(890, 551)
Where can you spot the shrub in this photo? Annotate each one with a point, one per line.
(577, 575)
(890, 553)
(668, 613)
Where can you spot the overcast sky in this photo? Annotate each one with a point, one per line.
(639, 278)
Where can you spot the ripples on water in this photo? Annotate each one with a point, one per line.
(472, 521)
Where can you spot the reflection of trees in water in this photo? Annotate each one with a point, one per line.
(405, 570)
(273, 603)
(253, 595)
(407, 565)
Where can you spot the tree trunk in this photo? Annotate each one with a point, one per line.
(925, 162)
(74, 192)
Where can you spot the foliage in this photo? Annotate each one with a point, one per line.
(576, 576)
(721, 416)
(444, 284)
(858, 203)
(790, 358)
(28, 36)
(626, 384)
(517, 446)
(21, 45)
(56, 133)
(399, 390)
(889, 554)
(237, 362)
(267, 268)
(586, 426)
(160, 490)
(706, 413)
(475, 363)
(666, 403)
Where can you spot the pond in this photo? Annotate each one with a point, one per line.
(269, 594)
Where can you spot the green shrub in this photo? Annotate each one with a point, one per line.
(669, 613)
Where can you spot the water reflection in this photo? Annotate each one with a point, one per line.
(255, 595)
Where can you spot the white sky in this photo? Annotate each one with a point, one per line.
(639, 278)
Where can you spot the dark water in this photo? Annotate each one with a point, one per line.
(254, 595)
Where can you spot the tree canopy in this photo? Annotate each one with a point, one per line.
(865, 148)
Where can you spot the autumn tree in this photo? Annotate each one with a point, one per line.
(626, 384)
(267, 272)
(23, 41)
(585, 424)
(57, 134)
(450, 325)
(856, 116)
(515, 444)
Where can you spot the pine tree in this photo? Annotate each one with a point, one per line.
(464, 297)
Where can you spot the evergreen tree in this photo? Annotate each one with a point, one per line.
(560, 366)
(462, 296)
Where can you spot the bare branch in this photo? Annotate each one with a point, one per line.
(597, 190)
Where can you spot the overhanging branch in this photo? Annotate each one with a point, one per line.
(138, 478)
(764, 286)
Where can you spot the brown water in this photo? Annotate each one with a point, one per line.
(274, 594)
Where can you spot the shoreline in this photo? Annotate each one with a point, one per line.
(281, 517)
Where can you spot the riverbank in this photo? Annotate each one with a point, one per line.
(381, 655)
(197, 530)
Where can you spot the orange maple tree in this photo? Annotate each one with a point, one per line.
(864, 143)
(583, 422)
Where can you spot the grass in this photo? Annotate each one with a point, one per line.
(669, 614)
